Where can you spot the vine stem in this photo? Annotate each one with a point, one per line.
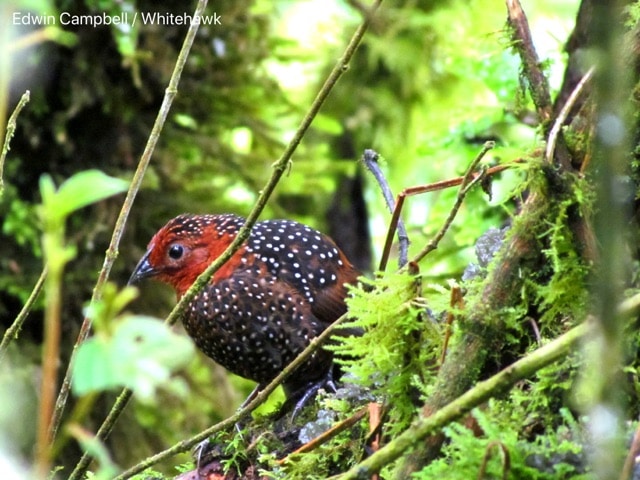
(279, 168)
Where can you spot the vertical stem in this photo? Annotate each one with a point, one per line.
(53, 243)
(610, 151)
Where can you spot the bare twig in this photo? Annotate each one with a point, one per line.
(329, 434)
(504, 455)
(431, 187)
(564, 112)
(279, 168)
(468, 181)
(455, 302)
(12, 331)
(370, 160)
(112, 251)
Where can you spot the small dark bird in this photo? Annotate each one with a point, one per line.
(282, 288)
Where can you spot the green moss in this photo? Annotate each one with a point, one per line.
(396, 354)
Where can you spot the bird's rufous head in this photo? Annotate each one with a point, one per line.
(181, 250)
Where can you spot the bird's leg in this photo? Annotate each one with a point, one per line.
(306, 393)
(252, 395)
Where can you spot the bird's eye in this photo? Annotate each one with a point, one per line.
(176, 251)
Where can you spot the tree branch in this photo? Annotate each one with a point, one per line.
(481, 392)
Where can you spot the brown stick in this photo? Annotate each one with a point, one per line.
(329, 434)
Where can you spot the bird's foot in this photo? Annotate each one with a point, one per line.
(302, 396)
(200, 453)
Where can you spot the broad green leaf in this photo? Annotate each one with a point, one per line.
(82, 189)
(141, 355)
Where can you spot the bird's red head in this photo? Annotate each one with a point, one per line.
(181, 250)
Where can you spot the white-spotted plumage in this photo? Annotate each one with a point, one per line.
(282, 288)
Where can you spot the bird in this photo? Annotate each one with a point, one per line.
(282, 288)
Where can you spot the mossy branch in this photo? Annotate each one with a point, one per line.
(484, 326)
(536, 79)
(481, 392)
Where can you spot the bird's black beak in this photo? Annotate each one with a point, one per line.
(142, 270)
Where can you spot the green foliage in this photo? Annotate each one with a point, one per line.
(130, 351)
(565, 293)
(466, 451)
(78, 191)
(398, 344)
(20, 222)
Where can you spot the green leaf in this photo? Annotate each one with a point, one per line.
(141, 355)
(82, 189)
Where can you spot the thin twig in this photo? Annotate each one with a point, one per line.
(564, 112)
(370, 160)
(504, 455)
(112, 251)
(14, 329)
(11, 128)
(419, 189)
(468, 181)
(279, 168)
(455, 302)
